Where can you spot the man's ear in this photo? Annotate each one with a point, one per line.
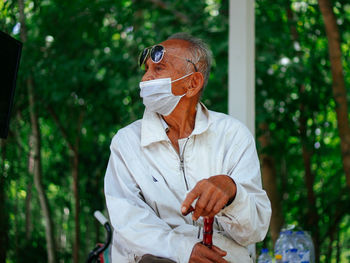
(196, 84)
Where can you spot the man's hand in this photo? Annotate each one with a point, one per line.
(212, 193)
(203, 254)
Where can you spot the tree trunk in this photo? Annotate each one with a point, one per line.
(312, 221)
(76, 208)
(343, 208)
(3, 214)
(29, 225)
(309, 178)
(338, 245)
(29, 193)
(16, 224)
(76, 187)
(36, 146)
(330, 248)
(74, 148)
(268, 171)
(338, 86)
(36, 151)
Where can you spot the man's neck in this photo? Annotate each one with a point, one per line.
(181, 121)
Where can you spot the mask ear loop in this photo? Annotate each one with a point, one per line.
(182, 77)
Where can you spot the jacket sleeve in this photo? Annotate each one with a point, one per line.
(137, 228)
(247, 218)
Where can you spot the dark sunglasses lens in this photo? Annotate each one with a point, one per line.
(143, 56)
(157, 53)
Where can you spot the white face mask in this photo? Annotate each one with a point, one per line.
(158, 97)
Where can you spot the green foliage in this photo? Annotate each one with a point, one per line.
(294, 83)
(83, 59)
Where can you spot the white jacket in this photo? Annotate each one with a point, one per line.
(147, 180)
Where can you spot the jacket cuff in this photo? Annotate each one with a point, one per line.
(232, 199)
(237, 205)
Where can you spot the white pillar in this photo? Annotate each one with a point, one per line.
(241, 62)
(241, 72)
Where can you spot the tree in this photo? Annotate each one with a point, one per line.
(338, 85)
(36, 151)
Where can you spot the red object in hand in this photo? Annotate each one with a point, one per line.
(191, 209)
(208, 231)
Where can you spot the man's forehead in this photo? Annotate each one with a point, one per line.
(176, 44)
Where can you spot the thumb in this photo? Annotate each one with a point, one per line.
(218, 250)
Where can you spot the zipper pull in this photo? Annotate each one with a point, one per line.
(181, 164)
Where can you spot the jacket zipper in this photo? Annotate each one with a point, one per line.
(182, 164)
(182, 168)
(181, 158)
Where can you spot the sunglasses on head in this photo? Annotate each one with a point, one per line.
(156, 53)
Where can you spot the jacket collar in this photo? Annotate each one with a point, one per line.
(153, 128)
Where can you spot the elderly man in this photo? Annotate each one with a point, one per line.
(181, 155)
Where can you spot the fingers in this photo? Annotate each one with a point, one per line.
(201, 253)
(189, 210)
(218, 206)
(218, 250)
(201, 208)
(214, 256)
(212, 195)
(191, 196)
(211, 204)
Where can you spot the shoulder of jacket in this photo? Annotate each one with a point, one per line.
(229, 124)
(219, 118)
(131, 131)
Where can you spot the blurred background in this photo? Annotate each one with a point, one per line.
(78, 84)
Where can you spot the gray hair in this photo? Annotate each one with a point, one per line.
(200, 53)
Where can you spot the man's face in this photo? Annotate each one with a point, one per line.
(171, 66)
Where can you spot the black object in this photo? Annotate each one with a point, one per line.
(10, 54)
(94, 255)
